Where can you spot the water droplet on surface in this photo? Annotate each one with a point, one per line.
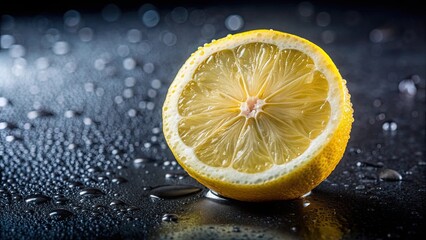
(407, 87)
(151, 18)
(111, 13)
(130, 81)
(306, 9)
(72, 18)
(75, 184)
(208, 31)
(389, 126)
(123, 50)
(85, 34)
(6, 41)
(129, 63)
(87, 121)
(360, 187)
(156, 84)
(323, 19)
(173, 191)
(10, 138)
(169, 38)
(169, 218)
(148, 68)
(368, 164)
(134, 35)
(39, 113)
(215, 196)
(71, 114)
(306, 203)
(91, 192)
(390, 175)
(60, 214)
(118, 180)
(117, 203)
(328, 36)
(234, 22)
(17, 51)
(37, 199)
(4, 102)
(179, 15)
(61, 48)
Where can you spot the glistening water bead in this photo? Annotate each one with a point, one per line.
(389, 126)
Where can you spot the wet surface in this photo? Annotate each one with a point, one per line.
(82, 153)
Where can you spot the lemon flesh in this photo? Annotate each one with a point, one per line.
(253, 107)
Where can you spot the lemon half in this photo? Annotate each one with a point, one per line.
(256, 116)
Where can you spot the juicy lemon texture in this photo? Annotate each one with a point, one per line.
(260, 115)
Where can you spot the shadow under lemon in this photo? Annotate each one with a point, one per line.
(214, 217)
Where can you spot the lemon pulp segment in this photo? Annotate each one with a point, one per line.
(252, 107)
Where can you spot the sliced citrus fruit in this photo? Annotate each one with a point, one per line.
(260, 115)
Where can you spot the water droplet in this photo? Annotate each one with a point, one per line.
(129, 63)
(208, 31)
(360, 187)
(3, 102)
(134, 35)
(61, 48)
(85, 34)
(169, 218)
(389, 126)
(37, 199)
(10, 138)
(148, 68)
(116, 203)
(368, 164)
(306, 203)
(72, 18)
(111, 13)
(234, 22)
(118, 180)
(7, 125)
(128, 93)
(123, 50)
(87, 121)
(390, 175)
(323, 19)
(6, 41)
(306, 9)
(60, 214)
(169, 38)
(130, 81)
(175, 175)
(156, 84)
(17, 51)
(91, 192)
(173, 191)
(71, 114)
(42, 63)
(151, 18)
(407, 87)
(179, 15)
(75, 184)
(328, 36)
(39, 113)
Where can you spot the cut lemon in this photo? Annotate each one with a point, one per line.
(260, 115)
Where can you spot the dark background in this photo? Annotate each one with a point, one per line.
(81, 148)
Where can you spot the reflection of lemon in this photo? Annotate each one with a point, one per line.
(260, 115)
(320, 221)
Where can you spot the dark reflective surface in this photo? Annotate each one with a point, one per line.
(82, 151)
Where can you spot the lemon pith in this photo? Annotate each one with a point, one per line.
(260, 115)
